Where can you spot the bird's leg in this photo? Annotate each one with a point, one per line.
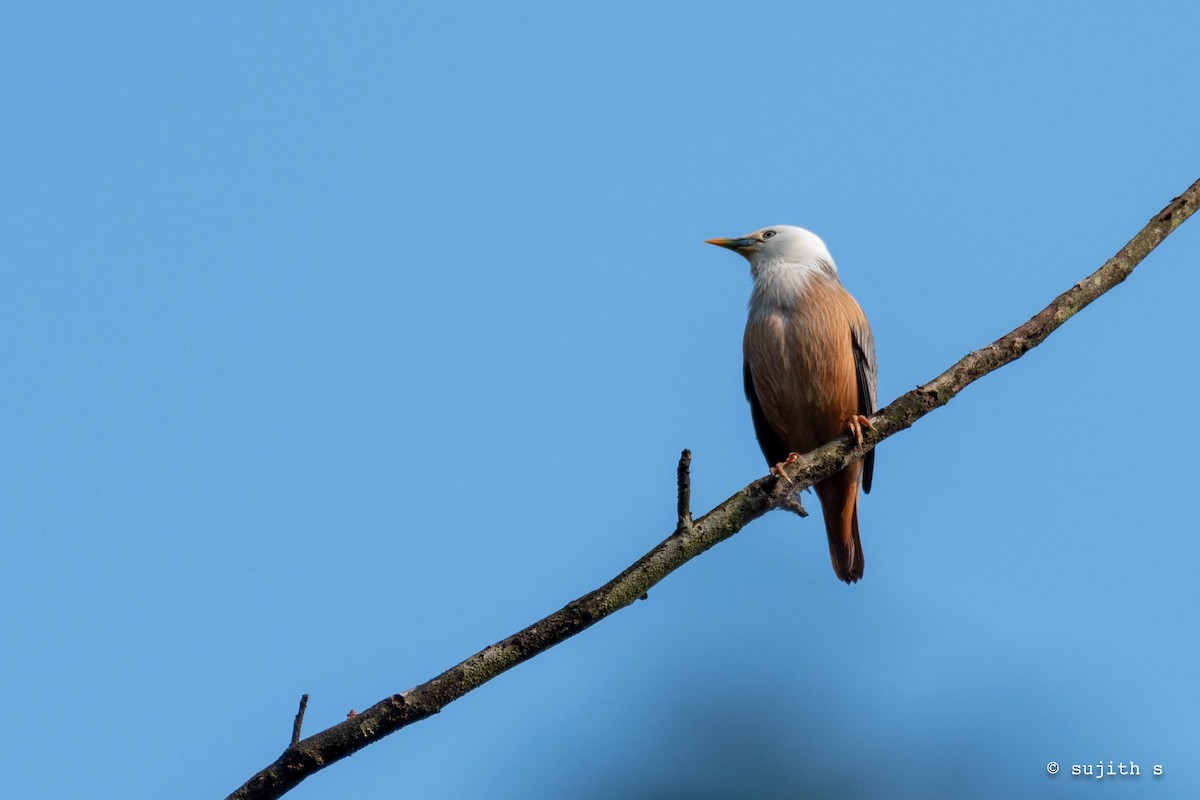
(856, 425)
(778, 468)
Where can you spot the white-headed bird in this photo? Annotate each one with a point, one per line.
(809, 370)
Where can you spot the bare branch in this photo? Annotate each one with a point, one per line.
(299, 722)
(309, 755)
(683, 477)
(790, 501)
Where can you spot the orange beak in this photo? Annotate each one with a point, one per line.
(732, 244)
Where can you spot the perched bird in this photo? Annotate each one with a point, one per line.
(809, 371)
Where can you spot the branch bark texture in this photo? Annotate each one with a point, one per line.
(305, 757)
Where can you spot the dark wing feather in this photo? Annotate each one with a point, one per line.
(866, 373)
(773, 448)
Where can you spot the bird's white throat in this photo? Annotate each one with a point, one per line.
(781, 285)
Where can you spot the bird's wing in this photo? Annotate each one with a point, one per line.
(866, 373)
(772, 446)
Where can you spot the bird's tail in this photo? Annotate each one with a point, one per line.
(839, 504)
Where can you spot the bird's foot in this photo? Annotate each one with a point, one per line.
(778, 468)
(856, 425)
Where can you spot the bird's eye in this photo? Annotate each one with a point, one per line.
(768, 234)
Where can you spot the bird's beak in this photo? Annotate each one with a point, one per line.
(733, 244)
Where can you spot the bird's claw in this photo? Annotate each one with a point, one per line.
(778, 468)
(856, 425)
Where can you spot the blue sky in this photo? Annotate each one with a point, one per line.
(342, 341)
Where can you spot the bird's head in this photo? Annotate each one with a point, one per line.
(783, 244)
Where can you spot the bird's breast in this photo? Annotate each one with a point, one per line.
(801, 361)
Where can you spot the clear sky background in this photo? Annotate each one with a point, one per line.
(339, 341)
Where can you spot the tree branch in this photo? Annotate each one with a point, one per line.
(299, 721)
(301, 759)
(683, 478)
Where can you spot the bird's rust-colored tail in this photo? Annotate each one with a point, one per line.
(839, 504)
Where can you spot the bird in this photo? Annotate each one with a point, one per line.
(809, 371)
